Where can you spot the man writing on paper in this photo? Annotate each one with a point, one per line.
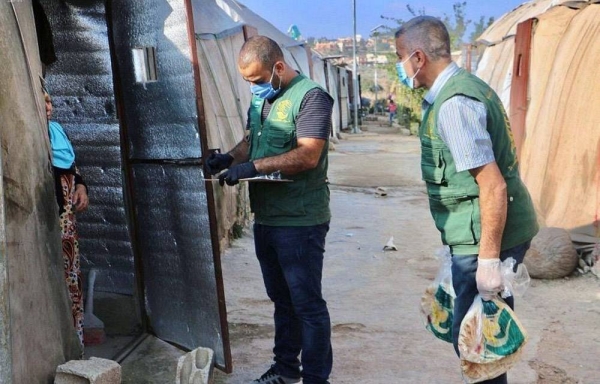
(289, 121)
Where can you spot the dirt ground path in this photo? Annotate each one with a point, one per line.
(373, 296)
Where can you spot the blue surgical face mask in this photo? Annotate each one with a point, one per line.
(403, 77)
(266, 90)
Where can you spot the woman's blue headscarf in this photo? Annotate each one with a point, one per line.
(63, 155)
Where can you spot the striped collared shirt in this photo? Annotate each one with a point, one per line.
(462, 125)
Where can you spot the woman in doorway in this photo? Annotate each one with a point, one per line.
(72, 197)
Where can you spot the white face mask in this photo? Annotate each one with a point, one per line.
(403, 77)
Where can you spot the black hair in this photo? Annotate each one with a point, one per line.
(260, 49)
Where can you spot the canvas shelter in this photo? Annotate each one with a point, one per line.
(221, 29)
(299, 55)
(126, 88)
(550, 76)
(342, 77)
(495, 65)
(222, 26)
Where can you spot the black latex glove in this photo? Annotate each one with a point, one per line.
(233, 175)
(217, 162)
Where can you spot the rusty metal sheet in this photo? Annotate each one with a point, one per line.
(520, 82)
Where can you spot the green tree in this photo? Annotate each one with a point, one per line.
(480, 27)
(415, 13)
(409, 100)
(457, 25)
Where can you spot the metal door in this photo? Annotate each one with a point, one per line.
(162, 140)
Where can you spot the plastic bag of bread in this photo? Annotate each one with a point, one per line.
(490, 341)
(437, 303)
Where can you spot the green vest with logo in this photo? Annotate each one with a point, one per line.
(305, 201)
(454, 196)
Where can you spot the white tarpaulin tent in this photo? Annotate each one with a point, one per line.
(221, 27)
(295, 52)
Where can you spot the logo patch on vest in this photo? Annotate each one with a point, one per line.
(282, 111)
(429, 130)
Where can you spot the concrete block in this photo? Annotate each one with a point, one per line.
(92, 371)
(195, 367)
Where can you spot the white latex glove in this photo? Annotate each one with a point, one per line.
(489, 278)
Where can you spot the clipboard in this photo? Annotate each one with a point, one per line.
(274, 177)
(266, 179)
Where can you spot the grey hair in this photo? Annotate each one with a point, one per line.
(428, 34)
(260, 49)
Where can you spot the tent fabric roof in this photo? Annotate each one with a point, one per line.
(211, 21)
(294, 51)
(240, 13)
(217, 19)
(560, 154)
(221, 18)
(506, 26)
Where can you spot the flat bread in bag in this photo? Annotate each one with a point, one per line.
(500, 334)
(490, 341)
(475, 372)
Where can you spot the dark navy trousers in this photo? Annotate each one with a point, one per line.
(291, 260)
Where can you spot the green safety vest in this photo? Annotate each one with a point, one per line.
(305, 201)
(454, 196)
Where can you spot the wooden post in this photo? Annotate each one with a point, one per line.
(519, 91)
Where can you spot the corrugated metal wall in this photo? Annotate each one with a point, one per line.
(81, 84)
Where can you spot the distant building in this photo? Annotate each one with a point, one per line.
(370, 58)
(327, 47)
